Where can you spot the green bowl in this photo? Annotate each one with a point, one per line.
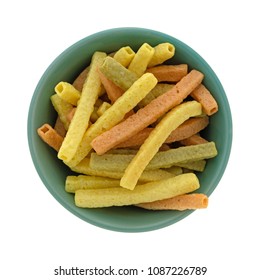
(53, 172)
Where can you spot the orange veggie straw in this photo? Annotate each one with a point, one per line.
(169, 73)
(193, 140)
(180, 202)
(50, 136)
(59, 127)
(79, 81)
(185, 130)
(112, 90)
(208, 102)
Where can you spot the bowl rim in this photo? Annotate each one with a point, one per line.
(33, 151)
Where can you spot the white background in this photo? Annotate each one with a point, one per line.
(37, 234)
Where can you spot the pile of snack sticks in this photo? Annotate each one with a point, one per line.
(130, 126)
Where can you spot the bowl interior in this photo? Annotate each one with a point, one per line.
(66, 67)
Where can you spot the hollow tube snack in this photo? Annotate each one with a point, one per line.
(148, 114)
(67, 92)
(193, 140)
(117, 73)
(158, 90)
(174, 170)
(63, 108)
(181, 202)
(156, 138)
(141, 59)
(169, 73)
(197, 165)
(208, 102)
(83, 182)
(50, 136)
(162, 52)
(183, 155)
(102, 108)
(188, 128)
(185, 130)
(147, 176)
(71, 114)
(124, 56)
(110, 162)
(115, 114)
(79, 81)
(59, 127)
(113, 162)
(181, 184)
(80, 121)
(163, 159)
(113, 91)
